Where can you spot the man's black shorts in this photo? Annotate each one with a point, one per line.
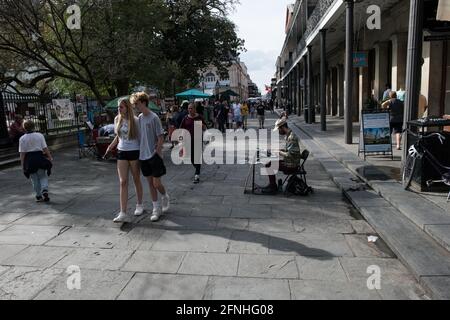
(153, 167)
(128, 155)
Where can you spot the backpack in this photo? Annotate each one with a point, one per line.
(297, 186)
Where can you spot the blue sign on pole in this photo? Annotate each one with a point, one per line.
(360, 60)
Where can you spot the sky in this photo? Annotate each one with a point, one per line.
(261, 24)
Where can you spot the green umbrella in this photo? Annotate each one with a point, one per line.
(192, 94)
(113, 104)
(229, 93)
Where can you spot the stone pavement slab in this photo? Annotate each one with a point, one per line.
(441, 233)
(212, 210)
(228, 288)
(164, 287)
(361, 247)
(9, 217)
(33, 235)
(331, 290)
(154, 262)
(212, 264)
(101, 238)
(309, 245)
(440, 286)
(321, 225)
(9, 250)
(24, 283)
(37, 256)
(195, 241)
(268, 266)
(251, 211)
(188, 223)
(233, 223)
(326, 270)
(419, 251)
(408, 289)
(92, 205)
(54, 219)
(271, 225)
(95, 285)
(95, 259)
(362, 227)
(249, 242)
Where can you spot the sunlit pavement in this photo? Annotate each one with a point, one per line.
(215, 243)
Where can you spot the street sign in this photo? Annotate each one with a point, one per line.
(360, 60)
(375, 134)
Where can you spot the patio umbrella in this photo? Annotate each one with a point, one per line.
(229, 93)
(113, 104)
(192, 94)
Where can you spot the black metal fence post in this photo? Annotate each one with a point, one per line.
(4, 139)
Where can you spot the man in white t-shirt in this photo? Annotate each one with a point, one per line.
(32, 147)
(237, 115)
(150, 155)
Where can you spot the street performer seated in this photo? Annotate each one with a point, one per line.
(291, 156)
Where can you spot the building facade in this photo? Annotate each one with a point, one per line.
(339, 48)
(236, 80)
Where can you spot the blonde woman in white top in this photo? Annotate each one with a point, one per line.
(127, 143)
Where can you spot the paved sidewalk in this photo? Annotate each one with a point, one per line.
(415, 225)
(216, 242)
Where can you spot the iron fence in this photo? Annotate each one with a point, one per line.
(52, 116)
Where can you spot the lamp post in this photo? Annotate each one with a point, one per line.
(348, 124)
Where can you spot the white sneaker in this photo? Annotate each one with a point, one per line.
(139, 210)
(122, 217)
(156, 214)
(165, 203)
(197, 179)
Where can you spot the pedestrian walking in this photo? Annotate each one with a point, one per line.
(396, 107)
(227, 112)
(127, 142)
(36, 160)
(237, 115)
(245, 112)
(189, 124)
(221, 117)
(182, 114)
(261, 111)
(172, 123)
(252, 110)
(150, 155)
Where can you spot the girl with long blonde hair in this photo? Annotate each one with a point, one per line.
(127, 142)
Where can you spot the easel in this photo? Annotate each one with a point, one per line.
(362, 142)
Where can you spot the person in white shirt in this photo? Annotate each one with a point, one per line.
(237, 115)
(36, 166)
(151, 156)
(126, 128)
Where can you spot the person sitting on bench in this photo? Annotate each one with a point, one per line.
(291, 156)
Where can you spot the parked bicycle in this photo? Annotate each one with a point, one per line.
(420, 151)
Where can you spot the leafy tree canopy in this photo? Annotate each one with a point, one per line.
(120, 43)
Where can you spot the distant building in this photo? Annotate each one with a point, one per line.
(253, 91)
(236, 80)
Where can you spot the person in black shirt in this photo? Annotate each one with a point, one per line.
(396, 107)
(182, 114)
(221, 116)
(261, 111)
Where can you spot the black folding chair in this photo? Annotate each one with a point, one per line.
(87, 146)
(299, 171)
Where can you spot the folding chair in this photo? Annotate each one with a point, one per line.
(86, 145)
(299, 171)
